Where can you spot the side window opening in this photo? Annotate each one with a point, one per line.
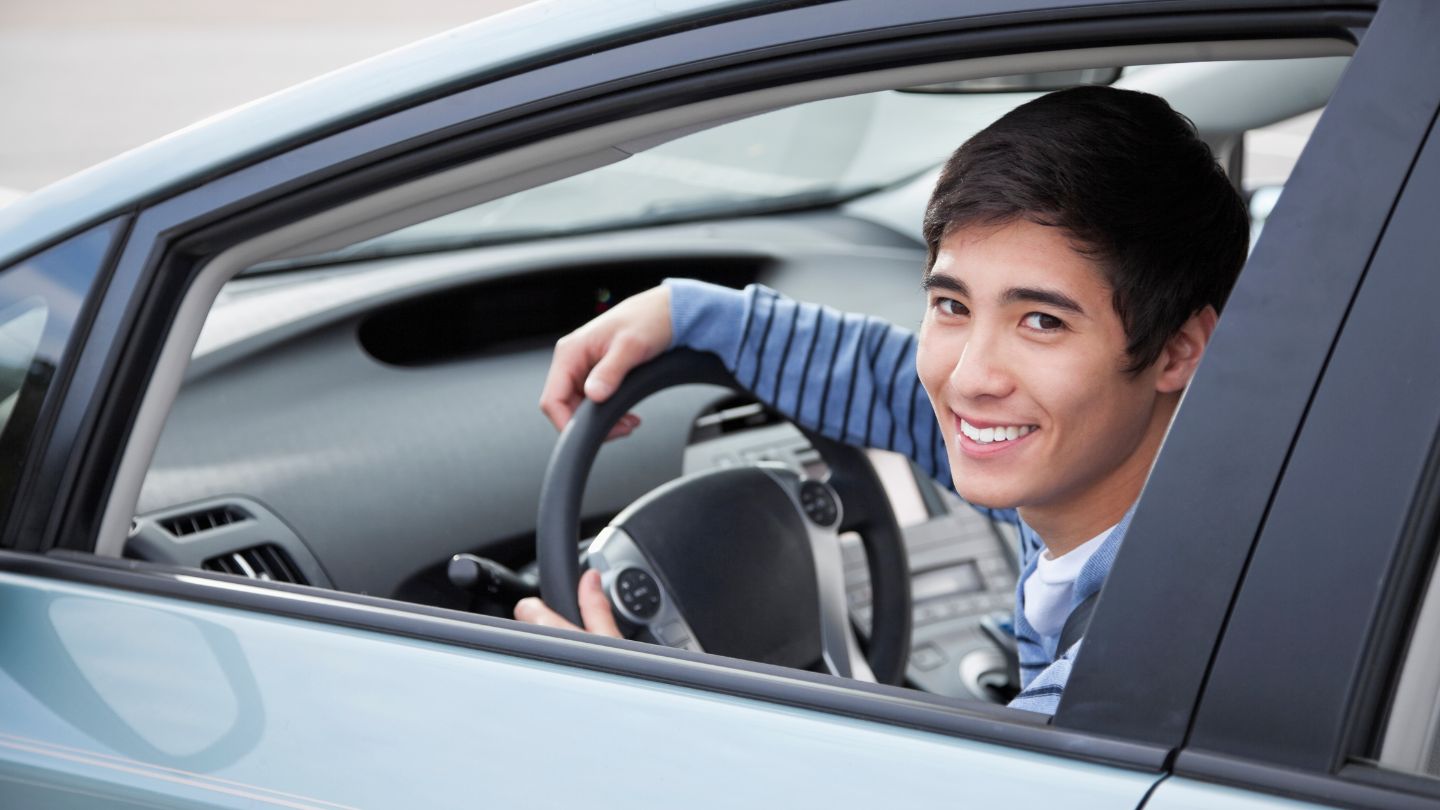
(41, 299)
(1270, 156)
(21, 327)
(1411, 739)
(339, 399)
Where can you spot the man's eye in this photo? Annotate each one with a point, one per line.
(949, 306)
(1042, 322)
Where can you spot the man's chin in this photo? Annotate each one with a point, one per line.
(989, 499)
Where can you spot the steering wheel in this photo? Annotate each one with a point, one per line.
(742, 561)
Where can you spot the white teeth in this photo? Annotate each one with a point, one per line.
(990, 435)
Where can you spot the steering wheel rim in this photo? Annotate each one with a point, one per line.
(867, 508)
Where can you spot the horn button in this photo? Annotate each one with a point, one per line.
(731, 549)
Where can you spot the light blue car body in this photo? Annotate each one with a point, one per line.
(116, 698)
(148, 699)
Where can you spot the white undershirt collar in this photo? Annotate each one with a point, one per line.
(1049, 589)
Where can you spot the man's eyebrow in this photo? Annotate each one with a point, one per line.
(1033, 295)
(939, 281)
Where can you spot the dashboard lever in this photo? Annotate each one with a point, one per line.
(999, 629)
(469, 572)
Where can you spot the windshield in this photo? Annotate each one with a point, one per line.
(804, 156)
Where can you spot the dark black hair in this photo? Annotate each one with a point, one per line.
(1131, 182)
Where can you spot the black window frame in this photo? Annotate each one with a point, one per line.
(1362, 515)
(1209, 498)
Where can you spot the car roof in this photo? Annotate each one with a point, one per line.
(523, 34)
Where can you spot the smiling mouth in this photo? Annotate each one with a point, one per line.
(996, 433)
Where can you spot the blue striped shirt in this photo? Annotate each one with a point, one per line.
(852, 377)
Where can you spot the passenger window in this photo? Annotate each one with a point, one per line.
(40, 301)
(1270, 155)
(21, 327)
(1411, 742)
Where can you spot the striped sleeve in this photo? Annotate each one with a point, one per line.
(1042, 694)
(850, 377)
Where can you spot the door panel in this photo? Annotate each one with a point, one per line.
(1178, 793)
(1338, 542)
(143, 698)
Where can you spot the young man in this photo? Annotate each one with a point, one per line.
(1080, 249)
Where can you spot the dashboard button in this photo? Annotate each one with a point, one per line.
(969, 605)
(946, 609)
(926, 656)
(926, 614)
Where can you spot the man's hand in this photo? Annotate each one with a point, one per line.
(594, 610)
(592, 360)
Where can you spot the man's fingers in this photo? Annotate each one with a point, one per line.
(595, 608)
(575, 374)
(624, 427)
(592, 360)
(559, 411)
(562, 393)
(624, 353)
(533, 611)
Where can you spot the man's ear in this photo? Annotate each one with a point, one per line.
(1183, 351)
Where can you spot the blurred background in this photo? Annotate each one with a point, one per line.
(84, 80)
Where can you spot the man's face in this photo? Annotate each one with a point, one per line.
(1021, 340)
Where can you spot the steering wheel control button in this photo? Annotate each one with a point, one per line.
(638, 593)
(819, 503)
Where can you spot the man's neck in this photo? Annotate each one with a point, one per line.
(1066, 524)
(1065, 533)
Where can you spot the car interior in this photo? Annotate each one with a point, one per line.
(349, 402)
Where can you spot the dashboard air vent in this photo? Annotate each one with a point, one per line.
(203, 521)
(267, 562)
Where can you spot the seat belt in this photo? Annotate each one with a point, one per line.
(1076, 624)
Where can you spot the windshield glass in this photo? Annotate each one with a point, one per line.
(804, 156)
(824, 153)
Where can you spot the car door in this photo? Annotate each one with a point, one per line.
(279, 687)
(1336, 580)
(1214, 485)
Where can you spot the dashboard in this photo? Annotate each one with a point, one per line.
(354, 426)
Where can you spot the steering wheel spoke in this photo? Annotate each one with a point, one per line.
(823, 515)
(635, 590)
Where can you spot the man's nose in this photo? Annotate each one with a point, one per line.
(982, 370)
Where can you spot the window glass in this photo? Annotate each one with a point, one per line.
(1411, 742)
(40, 300)
(1270, 156)
(21, 327)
